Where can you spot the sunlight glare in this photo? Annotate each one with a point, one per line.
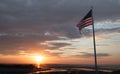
(39, 59)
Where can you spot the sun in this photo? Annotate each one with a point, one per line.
(38, 58)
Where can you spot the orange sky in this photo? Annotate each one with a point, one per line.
(48, 28)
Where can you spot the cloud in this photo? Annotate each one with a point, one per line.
(55, 16)
(55, 45)
(28, 23)
(98, 32)
(53, 54)
(12, 43)
(87, 55)
(41, 13)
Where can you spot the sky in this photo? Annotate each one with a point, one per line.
(48, 28)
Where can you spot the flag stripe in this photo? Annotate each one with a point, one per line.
(87, 19)
(85, 22)
(85, 25)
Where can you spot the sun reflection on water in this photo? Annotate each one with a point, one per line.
(38, 65)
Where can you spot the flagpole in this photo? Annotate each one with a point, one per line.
(94, 43)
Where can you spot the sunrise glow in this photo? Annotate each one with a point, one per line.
(38, 60)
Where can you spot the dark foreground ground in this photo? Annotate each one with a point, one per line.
(31, 69)
(58, 72)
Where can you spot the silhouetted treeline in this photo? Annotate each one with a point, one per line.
(29, 66)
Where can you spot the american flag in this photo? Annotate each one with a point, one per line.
(86, 21)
